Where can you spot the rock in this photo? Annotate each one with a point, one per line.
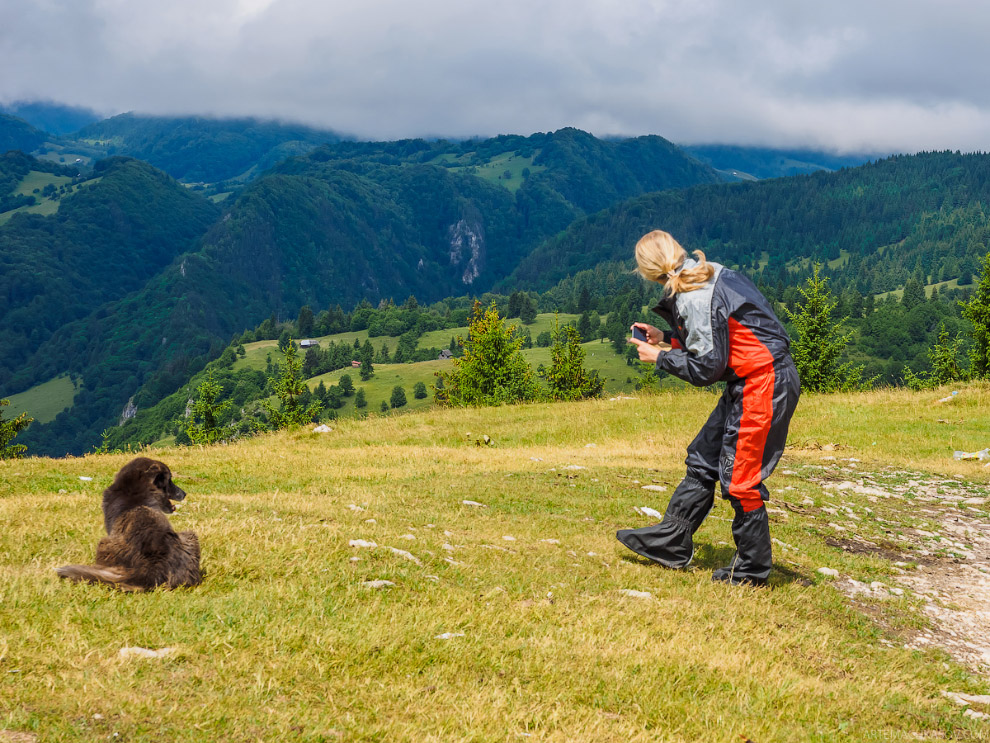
(964, 699)
(650, 512)
(473, 503)
(323, 428)
(635, 594)
(574, 467)
(377, 584)
(550, 541)
(370, 521)
(830, 572)
(448, 635)
(362, 543)
(408, 537)
(655, 488)
(976, 715)
(137, 652)
(356, 509)
(407, 555)
(509, 538)
(85, 479)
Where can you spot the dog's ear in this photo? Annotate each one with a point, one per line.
(159, 475)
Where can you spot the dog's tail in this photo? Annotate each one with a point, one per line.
(117, 577)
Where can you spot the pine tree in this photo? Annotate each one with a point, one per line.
(419, 390)
(360, 401)
(820, 340)
(288, 388)
(492, 370)
(944, 360)
(977, 311)
(567, 379)
(204, 422)
(398, 398)
(305, 321)
(367, 355)
(8, 430)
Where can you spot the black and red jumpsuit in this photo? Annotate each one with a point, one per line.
(726, 331)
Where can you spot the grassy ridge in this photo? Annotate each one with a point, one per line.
(282, 641)
(44, 401)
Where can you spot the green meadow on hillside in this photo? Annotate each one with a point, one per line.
(519, 617)
(36, 181)
(45, 401)
(620, 378)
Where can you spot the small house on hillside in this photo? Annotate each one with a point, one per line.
(444, 355)
(309, 344)
(356, 364)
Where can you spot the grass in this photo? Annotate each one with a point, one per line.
(283, 642)
(44, 401)
(598, 356)
(45, 206)
(506, 170)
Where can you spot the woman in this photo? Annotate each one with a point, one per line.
(722, 330)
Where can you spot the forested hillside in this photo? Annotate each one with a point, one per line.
(203, 149)
(121, 226)
(17, 134)
(748, 163)
(346, 223)
(919, 214)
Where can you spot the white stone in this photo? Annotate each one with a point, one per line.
(377, 584)
(473, 503)
(830, 572)
(509, 538)
(655, 488)
(550, 541)
(406, 555)
(448, 635)
(137, 652)
(362, 543)
(635, 594)
(408, 537)
(323, 428)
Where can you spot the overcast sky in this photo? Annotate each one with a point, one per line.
(869, 75)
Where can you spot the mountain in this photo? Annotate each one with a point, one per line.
(106, 238)
(749, 163)
(348, 221)
(200, 149)
(54, 118)
(17, 134)
(880, 214)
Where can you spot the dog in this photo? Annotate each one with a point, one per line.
(141, 550)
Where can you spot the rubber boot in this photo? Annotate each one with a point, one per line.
(670, 542)
(751, 563)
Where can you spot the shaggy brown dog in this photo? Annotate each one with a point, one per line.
(141, 549)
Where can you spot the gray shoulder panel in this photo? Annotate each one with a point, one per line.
(696, 310)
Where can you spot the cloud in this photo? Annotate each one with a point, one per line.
(842, 75)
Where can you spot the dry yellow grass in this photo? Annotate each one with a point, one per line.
(283, 642)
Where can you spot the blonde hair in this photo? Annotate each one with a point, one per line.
(659, 254)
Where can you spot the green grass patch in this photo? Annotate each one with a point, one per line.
(45, 206)
(45, 401)
(283, 640)
(505, 170)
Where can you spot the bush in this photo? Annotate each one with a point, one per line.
(492, 370)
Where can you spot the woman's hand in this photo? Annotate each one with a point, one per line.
(653, 336)
(647, 352)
